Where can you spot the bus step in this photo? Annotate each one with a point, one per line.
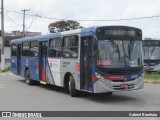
(43, 82)
(86, 90)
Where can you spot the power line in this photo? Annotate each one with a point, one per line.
(33, 15)
(124, 19)
(31, 23)
(11, 19)
(83, 20)
(19, 24)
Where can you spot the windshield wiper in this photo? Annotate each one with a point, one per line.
(130, 49)
(116, 48)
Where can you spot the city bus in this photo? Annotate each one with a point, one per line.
(102, 59)
(151, 55)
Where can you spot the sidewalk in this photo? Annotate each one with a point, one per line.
(6, 73)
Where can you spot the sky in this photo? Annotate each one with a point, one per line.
(83, 10)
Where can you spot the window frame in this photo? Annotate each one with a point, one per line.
(12, 50)
(54, 47)
(28, 49)
(31, 47)
(77, 47)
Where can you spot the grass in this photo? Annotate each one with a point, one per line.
(7, 68)
(152, 78)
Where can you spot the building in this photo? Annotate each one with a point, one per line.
(10, 36)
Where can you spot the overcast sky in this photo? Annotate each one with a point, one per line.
(85, 10)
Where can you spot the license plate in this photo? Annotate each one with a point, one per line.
(124, 86)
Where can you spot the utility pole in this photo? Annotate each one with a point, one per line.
(24, 14)
(2, 35)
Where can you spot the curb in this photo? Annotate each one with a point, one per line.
(152, 81)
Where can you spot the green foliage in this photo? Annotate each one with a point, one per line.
(61, 26)
(7, 68)
(153, 76)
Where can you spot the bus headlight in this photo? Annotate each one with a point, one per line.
(102, 79)
(98, 76)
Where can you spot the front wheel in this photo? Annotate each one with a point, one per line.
(72, 89)
(27, 78)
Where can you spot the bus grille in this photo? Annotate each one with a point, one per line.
(119, 87)
(120, 71)
(123, 72)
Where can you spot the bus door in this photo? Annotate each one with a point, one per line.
(19, 46)
(43, 60)
(86, 63)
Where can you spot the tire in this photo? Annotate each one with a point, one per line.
(27, 78)
(72, 89)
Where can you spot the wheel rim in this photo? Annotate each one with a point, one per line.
(27, 77)
(69, 85)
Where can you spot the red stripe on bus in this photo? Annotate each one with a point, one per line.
(43, 75)
(94, 78)
(114, 77)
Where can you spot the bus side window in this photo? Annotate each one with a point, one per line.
(14, 50)
(25, 49)
(70, 46)
(34, 49)
(55, 48)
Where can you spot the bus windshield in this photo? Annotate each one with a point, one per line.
(119, 53)
(151, 53)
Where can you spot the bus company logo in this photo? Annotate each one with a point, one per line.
(6, 114)
(21, 114)
(27, 63)
(134, 76)
(13, 61)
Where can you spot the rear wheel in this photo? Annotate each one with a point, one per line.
(72, 89)
(27, 78)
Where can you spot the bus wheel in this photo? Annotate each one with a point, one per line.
(72, 87)
(27, 78)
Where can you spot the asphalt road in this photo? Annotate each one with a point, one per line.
(16, 95)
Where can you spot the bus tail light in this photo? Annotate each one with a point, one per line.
(77, 67)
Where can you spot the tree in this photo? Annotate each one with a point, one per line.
(62, 25)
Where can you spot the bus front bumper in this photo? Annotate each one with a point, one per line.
(110, 86)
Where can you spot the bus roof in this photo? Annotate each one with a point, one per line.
(58, 34)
